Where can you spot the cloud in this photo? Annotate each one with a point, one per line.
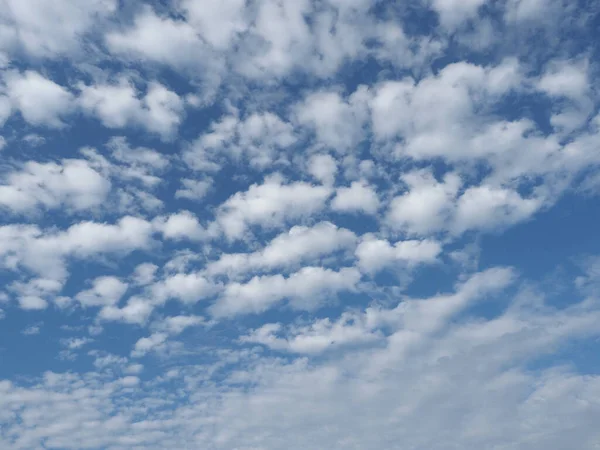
(270, 205)
(469, 381)
(315, 338)
(193, 189)
(47, 32)
(359, 197)
(159, 39)
(323, 167)
(105, 291)
(426, 205)
(119, 105)
(375, 254)
(261, 139)
(72, 184)
(305, 289)
(282, 209)
(47, 253)
(182, 225)
(158, 341)
(40, 101)
(299, 244)
(337, 122)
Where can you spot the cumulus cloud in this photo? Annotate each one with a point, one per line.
(270, 205)
(375, 254)
(40, 100)
(44, 31)
(47, 253)
(259, 139)
(299, 244)
(72, 184)
(358, 197)
(266, 224)
(120, 104)
(305, 290)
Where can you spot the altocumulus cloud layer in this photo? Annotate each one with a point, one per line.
(299, 224)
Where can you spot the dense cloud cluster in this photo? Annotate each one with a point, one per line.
(272, 224)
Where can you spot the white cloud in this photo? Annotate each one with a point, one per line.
(159, 341)
(193, 189)
(299, 244)
(31, 330)
(72, 184)
(338, 123)
(317, 337)
(426, 205)
(144, 274)
(519, 11)
(260, 139)
(486, 207)
(437, 116)
(45, 30)
(375, 254)
(179, 226)
(119, 105)
(145, 344)
(218, 23)
(5, 109)
(186, 287)
(47, 253)
(105, 290)
(305, 289)
(359, 197)
(270, 205)
(39, 100)
(453, 13)
(36, 293)
(136, 311)
(323, 167)
(158, 39)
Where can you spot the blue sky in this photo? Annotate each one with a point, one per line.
(300, 224)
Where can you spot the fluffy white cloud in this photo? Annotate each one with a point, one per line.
(72, 184)
(305, 289)
(323, 167)
(255, 138)
(375, 254)
(486, 207)
(46, 253)
(338, 123)
(36, 293)
(158, 341)
(317, 337)
(471, 383)
(186, 287)
(270, 205)
(44, 30)
(299, 244)
(358, 197)
(193, 189)
(158, 39)
(106, 290)
(260, 139)
(426, 205)
(118, 105)
(453, 13)
(136, 311)
(179, 226)
(39, 100)
(218, 23)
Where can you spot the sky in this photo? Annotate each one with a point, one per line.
(299, 224)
